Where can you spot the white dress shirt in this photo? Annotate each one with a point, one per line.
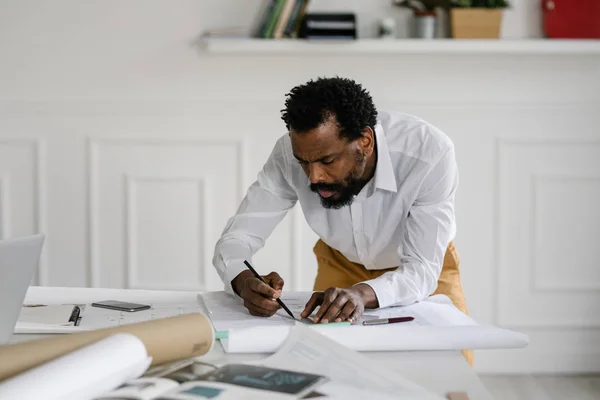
(403, 217)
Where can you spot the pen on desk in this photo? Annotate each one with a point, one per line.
(384, 321)
(74, 318)
(260, 277)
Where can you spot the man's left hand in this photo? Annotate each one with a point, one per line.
(338, 305)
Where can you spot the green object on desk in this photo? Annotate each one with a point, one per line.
(225, 334)
(221, 335)
(345, 323)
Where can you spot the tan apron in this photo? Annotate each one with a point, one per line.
(335, 270)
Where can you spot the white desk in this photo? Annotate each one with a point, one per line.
(440, 372)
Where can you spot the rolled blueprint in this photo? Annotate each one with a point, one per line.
(165, 339)
(393, 337)
(83, 373)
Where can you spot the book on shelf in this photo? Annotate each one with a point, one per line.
(281, 19)
(277, 19)
(290, 19)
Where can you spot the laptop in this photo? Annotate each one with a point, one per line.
(19, 258)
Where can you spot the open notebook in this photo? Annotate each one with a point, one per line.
(437, 325)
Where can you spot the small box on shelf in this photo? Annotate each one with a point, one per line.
(477, 19)
(328, 26)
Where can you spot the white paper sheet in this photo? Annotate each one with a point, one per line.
(307, 351)
(437, 325)
(34, 327)
(340, 391)
(48, 314)
(83, 373)
(228, 312)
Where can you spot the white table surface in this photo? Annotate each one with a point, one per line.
(439, 371)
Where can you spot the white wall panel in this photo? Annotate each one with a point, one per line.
(177, 252)
(565, 231)
(22, 205)
(151, 203)
(549, 221)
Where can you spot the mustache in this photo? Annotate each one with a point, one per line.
(330, 187)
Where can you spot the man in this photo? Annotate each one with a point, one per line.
(377, 188)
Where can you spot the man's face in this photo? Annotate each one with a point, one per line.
(334, 165)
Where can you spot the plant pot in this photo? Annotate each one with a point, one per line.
(425, 24)
(476, 23)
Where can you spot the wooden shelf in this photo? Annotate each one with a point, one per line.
(400, 46)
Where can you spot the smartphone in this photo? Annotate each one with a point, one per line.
(121, 305)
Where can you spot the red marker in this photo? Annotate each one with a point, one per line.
(387, 320)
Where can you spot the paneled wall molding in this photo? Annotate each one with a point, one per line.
(38, 184)
(546, 223)
(194, 107)
(536, 270)
(205, 189)
(4, 206)
(132, 216)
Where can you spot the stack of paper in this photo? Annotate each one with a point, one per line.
(437, 325)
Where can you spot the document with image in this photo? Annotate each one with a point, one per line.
(194, 379)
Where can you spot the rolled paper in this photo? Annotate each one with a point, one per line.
(166, 339)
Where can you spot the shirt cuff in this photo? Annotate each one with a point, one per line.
(383, 291)
(233, 270)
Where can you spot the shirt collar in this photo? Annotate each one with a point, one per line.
(385, 178)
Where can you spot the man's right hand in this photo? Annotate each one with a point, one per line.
(259, 297)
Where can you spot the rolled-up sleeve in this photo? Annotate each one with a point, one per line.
(265, 204)
(430, 227)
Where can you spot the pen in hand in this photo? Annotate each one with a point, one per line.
(256, 274)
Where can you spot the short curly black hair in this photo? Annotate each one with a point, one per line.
(311, 104)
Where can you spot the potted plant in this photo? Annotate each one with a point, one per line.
(477, 19)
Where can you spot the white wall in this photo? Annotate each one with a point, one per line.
(130, 148)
